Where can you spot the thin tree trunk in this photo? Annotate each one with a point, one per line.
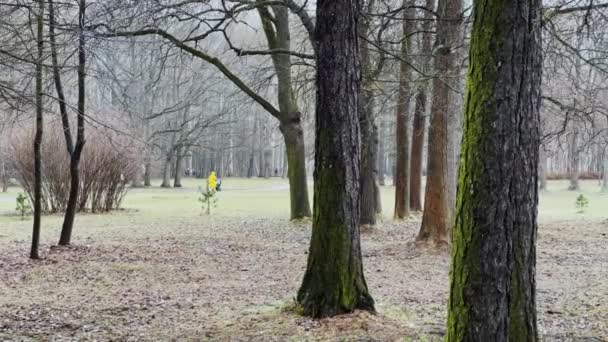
(382, 153)
(70, 213)
(334, 281)
(605, 173)
(542, 172)
(436, 215)
(573, 161)
(38, 137)
(267, 161)
(251, 169)
(3, 176)
(420, 112)
(377, 192)
(402, 177)
(179, 167)
(492, 288)
(417, 151)
(369, 187)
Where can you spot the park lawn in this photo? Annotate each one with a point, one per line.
(162, 270)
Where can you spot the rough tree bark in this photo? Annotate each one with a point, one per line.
(492, 288)
(334, 281)
(402, 176)
(436, 215)
(39, 131)
(420, 111)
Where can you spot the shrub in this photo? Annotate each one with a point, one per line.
(23, 205)
(581, 203)
(207, 198)
(107, 166)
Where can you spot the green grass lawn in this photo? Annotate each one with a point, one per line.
(270, 198)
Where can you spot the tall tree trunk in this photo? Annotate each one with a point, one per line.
(377, 192)
(290, 117)
(334, 281)
(3, 176)
(573, 161)
(402, 177)
(70, 213)
(369, 186)
(267, 161)
(179, 167)
(492, 288)
(251, 169)
(382, 152)
(39, 131)
(420, 112)
(436, 215)
(605, 173)
(417, 151)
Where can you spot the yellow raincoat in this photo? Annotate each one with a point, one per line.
(212, 181)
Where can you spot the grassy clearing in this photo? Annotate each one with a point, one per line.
(270, 198)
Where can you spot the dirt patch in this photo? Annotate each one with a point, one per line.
(235, 279)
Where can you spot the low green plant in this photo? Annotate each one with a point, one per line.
(23, 205)
(208, 199)
(581, 203)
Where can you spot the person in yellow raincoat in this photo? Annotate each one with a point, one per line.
(212, 181)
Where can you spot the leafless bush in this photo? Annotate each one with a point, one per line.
(109, 163)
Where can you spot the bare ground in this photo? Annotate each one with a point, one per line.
(234, 279)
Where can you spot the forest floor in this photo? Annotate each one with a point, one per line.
(160, 270)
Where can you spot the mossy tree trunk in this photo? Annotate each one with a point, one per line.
(436, 215)
(402, 176)
(420, 101)
(334, 281)
(492, 287)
